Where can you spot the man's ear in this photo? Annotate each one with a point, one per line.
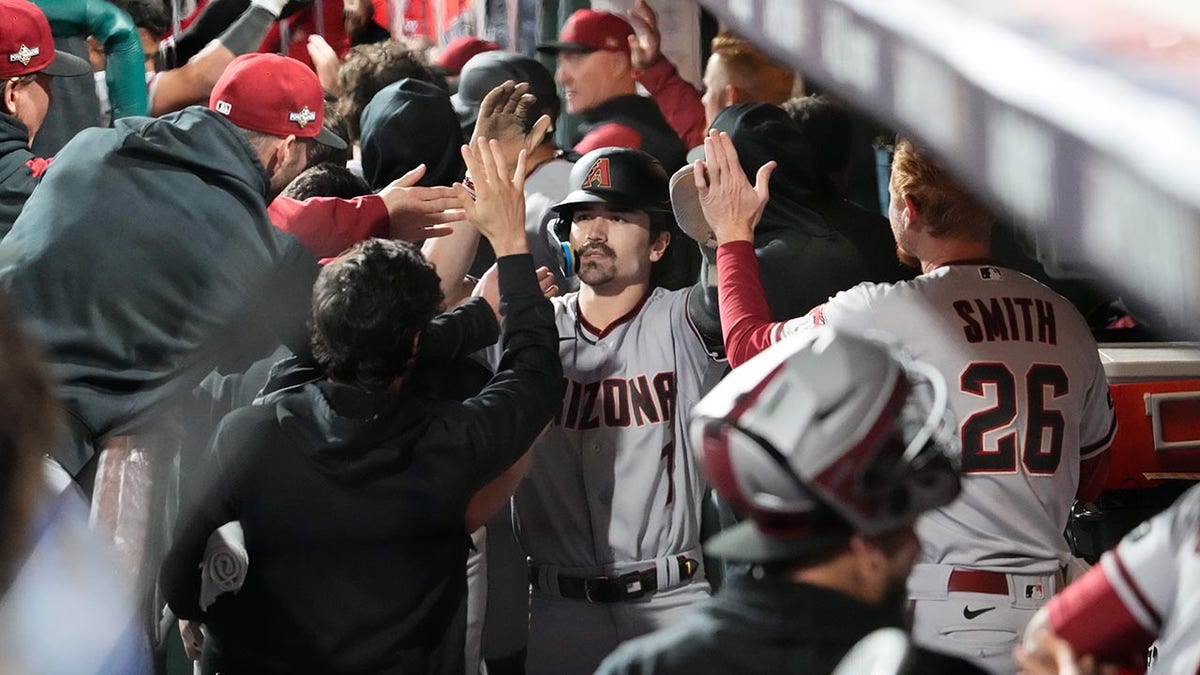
(658, 247)
(734, 95)
(910, 214)
(10, 96)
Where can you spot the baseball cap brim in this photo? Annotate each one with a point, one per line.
(581, 197)
(685, 202)
(745, 542)
(327, 137)
(67, 65)
(556, 47)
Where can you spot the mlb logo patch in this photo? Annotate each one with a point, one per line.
(24, 55)
(990, 273)
(303, 117)
(223, 107)
(1034, 592)
(597, 176)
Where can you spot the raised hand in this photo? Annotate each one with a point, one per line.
(325, 62)
(730, 204)
(502, 116)
(498, 208)
(645, 45)
(418, 213)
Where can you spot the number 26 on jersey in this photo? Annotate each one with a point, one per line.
(1036, 432)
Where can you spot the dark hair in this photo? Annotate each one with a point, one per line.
(371, 67)
(368, 306)
(26, 431)
(826, 127)
(148, 14)
(335, 122)
(326, 180)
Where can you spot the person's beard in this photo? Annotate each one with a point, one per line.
(597, 272)
(907, 259)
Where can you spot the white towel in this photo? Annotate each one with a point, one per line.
(225, 563)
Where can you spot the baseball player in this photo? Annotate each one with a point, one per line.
(1142, 591)
(831, 445)
(1034, 416)
(609, 512)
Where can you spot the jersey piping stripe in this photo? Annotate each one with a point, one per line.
(617, 322)
(1127, 587)
(1093, 449)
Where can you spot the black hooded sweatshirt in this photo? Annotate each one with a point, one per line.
(811, 243)
(352, 505)
(408, 123)
(144, 256)
(16, 176)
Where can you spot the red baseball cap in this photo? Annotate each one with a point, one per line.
(590, 31)
(26, 45)
(460, 50)
(275, 95)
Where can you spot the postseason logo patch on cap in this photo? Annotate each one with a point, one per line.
(24, 55)
(303, 117)
(597, 176)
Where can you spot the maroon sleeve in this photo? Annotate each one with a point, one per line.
(677, 99)
(1092, 618)
(1093, 473)
(745, 316)
(326, 226)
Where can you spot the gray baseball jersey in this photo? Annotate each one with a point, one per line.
(612, 480)
(1027, 389)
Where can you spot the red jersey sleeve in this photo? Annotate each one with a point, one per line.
(677, 99)
(745, 317)
(1091, 616)
(326, 226)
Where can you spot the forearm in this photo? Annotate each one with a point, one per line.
(212, 20)
(527, 389)
(488, 501)
(1093, 619)
(745, 317)
(452, 255)
(677, 99)
(326, 226)
(125, 69)
(459, 333)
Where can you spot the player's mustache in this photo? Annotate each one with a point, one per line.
(603, 248)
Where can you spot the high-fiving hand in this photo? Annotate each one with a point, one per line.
(730, 204)
(645, 45)
(502, 116)
(498, 208)
(418, 213)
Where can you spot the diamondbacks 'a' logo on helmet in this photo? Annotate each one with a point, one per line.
(598, 176)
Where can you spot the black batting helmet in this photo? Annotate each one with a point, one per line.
(631, 179)
(618, 176)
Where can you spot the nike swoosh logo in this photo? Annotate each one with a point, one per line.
(969, 613)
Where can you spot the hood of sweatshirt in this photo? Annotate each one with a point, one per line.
(185, 139)
(762, 133)
(408, 123)
(352, 435)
